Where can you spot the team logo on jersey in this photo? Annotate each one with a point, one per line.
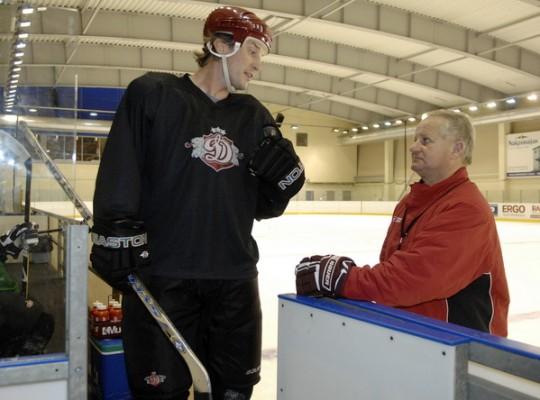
(215, 150)
(154, 379)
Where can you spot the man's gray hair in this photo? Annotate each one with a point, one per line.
(459, 125)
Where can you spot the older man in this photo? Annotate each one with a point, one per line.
(441, 257)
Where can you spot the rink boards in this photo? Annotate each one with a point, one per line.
(341, 349)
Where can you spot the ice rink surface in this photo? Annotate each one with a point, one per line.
(285, 240)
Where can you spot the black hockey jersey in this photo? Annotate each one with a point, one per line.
(178, 161)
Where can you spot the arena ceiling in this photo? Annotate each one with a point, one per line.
(366, 62)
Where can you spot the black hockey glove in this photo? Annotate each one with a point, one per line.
(119, 249)
(322, 275)
(17, 238)
(277, 165)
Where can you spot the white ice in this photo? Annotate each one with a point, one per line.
(284, 241)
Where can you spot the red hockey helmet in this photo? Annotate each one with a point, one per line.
(239, 23)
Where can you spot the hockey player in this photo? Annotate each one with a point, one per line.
(441, 257)
(25, 328)
(188, 166)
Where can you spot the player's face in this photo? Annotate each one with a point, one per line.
(433, 154)
(246, 63)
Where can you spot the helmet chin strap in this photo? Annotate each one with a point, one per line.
(224, 63)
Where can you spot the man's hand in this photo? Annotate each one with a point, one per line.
(120, 248)
(21, 236)
(277, 165)
(322, 275)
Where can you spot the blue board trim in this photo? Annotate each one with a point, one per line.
(33, 360)
(414, 324)
(385, 321)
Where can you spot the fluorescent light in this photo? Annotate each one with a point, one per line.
(22, 35)
(32, 110)
(511, 100)
(20, 45)
(491, 104)
(473, 108)
(376, 125)
(532, 97)
(292, 126)
(411, 119)
(424, 116)
(398, 122)
(19, 54)
(365, 128)
(16, 69)
(25, 24)
(387, 123)
(27, 10)
(354, 130)
(17, 62)
(335, 130)
(456, 110)
(95, 114)
(15, 76)
(42, 8)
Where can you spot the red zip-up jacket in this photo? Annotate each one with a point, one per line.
(441, 258)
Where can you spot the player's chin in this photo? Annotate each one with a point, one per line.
(242, 85)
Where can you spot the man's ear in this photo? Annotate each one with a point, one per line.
(459, 148)
(220, 46)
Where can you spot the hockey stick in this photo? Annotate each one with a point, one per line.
(201, 380)
(25, 280)
(279, 119)
(199, 375)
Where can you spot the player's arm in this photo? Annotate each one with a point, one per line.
(118, 235)
(280, 172)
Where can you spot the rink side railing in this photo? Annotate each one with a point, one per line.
(501, 211)
(348, 350)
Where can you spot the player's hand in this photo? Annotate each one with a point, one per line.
(322, 275)
(277, 165)
(119, 249)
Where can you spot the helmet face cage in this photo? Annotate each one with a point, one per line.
(239, 23)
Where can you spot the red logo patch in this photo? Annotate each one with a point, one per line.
(154, 379)
(215, 150)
